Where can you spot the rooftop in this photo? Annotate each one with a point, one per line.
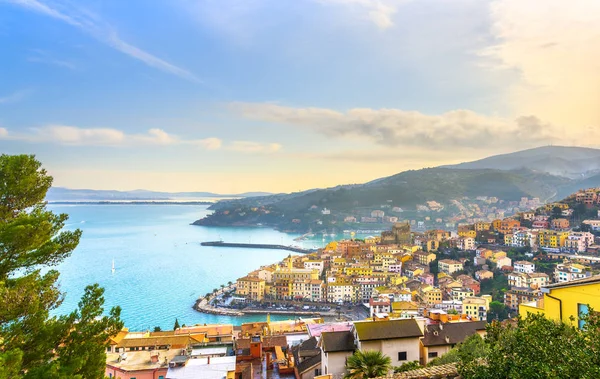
(315, 330)
(140, 360)
(579, 282)
(337, 341)
(202, 369)
(384, 330)
(451, 333)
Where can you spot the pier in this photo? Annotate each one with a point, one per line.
(257, 246)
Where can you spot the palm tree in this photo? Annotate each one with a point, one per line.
(230, 283)
(222, 285)
(367, 364)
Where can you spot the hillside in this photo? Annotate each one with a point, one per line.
(567, 161)
(547, 173)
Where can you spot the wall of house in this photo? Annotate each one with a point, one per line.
(116, 373)
(392, 347)
(441, 350)
(334, 363)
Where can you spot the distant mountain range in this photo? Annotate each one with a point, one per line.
(550, 172)
(570, 162)
(67, 194)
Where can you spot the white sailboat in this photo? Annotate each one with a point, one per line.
(113, 266)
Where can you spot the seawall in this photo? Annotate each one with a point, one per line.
(256, 246)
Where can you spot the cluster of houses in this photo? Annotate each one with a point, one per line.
(302, 348)
(307, 348)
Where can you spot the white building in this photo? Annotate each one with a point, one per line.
(578, 242)
(566, 272)
(314, 265)
(524, 266)
(336, 347)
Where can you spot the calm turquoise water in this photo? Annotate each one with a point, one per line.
(161, 269)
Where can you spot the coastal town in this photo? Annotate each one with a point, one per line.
(411, 295)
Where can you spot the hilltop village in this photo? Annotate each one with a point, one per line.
(422, 294)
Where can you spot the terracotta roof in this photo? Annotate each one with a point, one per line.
(337, 341)
(210, 330)
(385, 330)
(443, 371)
(181, 340)
(451, 333)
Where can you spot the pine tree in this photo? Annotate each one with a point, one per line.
(33, 344)
(176, 326)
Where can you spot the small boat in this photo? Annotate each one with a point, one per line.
(113, 266)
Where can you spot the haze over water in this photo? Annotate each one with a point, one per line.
(161, 269)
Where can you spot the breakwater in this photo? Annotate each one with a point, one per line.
(257, 246)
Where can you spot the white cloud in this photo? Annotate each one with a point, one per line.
(254, 147)
(94, 26)
(380, 12)
(14, 97)
(396, 127)
(71, 135)
(75, 136)
(555, 48)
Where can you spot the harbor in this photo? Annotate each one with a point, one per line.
(294, 249)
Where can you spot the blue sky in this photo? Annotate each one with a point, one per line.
(240, 95)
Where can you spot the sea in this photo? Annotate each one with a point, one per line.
(160, 267)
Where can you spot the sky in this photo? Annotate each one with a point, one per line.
(231, 96)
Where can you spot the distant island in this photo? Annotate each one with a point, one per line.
(56, 194)
(441, 197)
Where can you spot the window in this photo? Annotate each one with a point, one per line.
(317, 372)
(402, 355)
(582, 310)
(432, 354)
(161, 377)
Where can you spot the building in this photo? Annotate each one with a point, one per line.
(424, 257)
(594, 224)
(250, 287)
(314, 265)
(461, 293)
(342, 292)
(552, 239)
(475, 308)
(484, 274)
(400, 234)
(465, 243)
(432, 296)
(517, 296)
(566, 272)
(336, 347)
(534, 280)
(524, 266)
(219, 367)
(449, 266)
(507, 226)
(398, 339)
(567, 301)
(307, 359)
(440, 338)
(560, 224)
(578, 242)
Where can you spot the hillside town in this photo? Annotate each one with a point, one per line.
(422, 293)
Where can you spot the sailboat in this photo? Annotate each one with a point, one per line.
(113, 266)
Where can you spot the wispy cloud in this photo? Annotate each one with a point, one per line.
(14, 97)
(254, 147)
(395, 127)
(94, 26)
(41, 56)
(76, 136)
(380, 12)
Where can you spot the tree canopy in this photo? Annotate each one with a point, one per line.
(32, 240)
(535, 347)
(367, 364)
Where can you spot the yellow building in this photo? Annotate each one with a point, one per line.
(496, 224)
(432, 296)
(251, 287)
(423, 257)
(482, 226)
(362, 271)
(552, 238)
(550, 207)
(467, 233)
(563, 301)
